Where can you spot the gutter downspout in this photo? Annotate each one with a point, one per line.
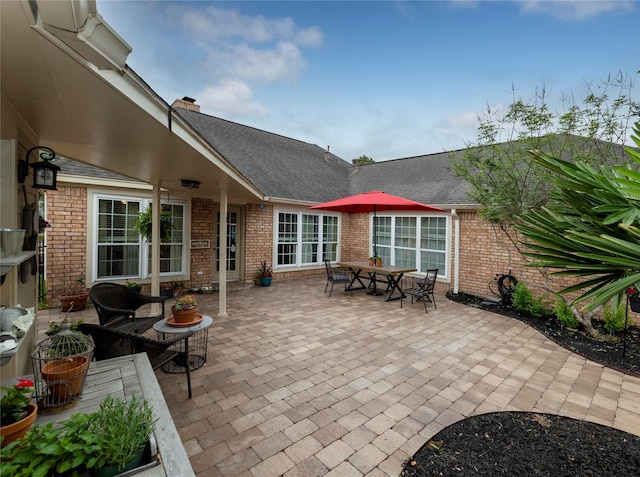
(456, 251)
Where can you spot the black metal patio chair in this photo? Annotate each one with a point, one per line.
(117, 305)
(337, 275)
(423, 288)
(112, 343)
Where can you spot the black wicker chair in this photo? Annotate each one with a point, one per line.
(116, 306)
(112, 343)
(423, 288)
(337, 275)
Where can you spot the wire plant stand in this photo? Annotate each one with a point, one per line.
(60, 366)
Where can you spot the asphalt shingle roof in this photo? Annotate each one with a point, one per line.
(427, 179)
(286, 168)
(278, 166)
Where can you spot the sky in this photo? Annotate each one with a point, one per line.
(385, 79)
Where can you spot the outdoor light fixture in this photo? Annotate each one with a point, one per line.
(44, 172)
(189, 184)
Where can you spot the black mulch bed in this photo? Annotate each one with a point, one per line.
(526, 443)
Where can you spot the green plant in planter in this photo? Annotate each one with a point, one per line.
(135, 286)
(13, 406)
(53, 449)
(264, 270)
(119, 430)
(143, 224)
(123, 429)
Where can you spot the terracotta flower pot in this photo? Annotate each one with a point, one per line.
(184, 316)
(79, 301)
(19, 429)
(65, 376)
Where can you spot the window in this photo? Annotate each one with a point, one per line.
(410, 241)
(301, 236)
(118, 243)
(121, 252)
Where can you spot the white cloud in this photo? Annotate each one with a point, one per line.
(250, 48)
(230, 97)
(284, 62)
(573, 10)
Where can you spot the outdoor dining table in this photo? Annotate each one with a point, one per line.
(391, 273)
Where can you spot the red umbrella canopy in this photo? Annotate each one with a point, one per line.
(373, 201)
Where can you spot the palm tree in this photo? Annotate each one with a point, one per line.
(589, 230)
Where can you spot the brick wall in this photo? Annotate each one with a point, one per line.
(66, 239)
(484, 250)
(258, 239)
(202, 227)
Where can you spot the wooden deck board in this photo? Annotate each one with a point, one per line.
(128, 376)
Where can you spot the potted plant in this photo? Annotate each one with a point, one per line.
(75, 297)
(63, 362)
(17, 412)
(135, 286)
(379, 261)
(371, 261)
(107, 442)
(53, 449)
(634, 298)
(123, 429)
(185, 309)
(264, 273)
(172, 289)
(144, 223)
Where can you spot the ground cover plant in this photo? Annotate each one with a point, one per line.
(526, 443)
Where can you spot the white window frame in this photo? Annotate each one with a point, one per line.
(442, 274)
(144, 265)
(298, 255)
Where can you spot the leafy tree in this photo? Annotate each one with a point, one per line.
(505, 179)
(589, 229)
(508, 181)
(362, 160)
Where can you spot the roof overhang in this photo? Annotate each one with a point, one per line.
(64, 74)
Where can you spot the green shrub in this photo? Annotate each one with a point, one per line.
(564, 314)
(523, 300)
(614, 319)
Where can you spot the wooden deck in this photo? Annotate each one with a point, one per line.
(127, 376)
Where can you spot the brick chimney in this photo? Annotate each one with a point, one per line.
(327, 154)
(186, 103)
(355, 164)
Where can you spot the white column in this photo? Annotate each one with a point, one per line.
(222, 275)
(155, 240)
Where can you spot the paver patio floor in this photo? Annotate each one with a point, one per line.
(300, 384)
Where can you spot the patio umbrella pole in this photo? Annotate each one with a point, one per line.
(375, 292)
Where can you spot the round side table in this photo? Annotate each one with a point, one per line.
(197, 344)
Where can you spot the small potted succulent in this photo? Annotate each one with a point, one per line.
(185, 309)
(371, 261)
(17, 411)
(379, 261)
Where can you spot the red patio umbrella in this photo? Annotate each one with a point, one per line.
(373, 201)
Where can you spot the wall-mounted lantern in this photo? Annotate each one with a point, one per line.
(44, 172)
